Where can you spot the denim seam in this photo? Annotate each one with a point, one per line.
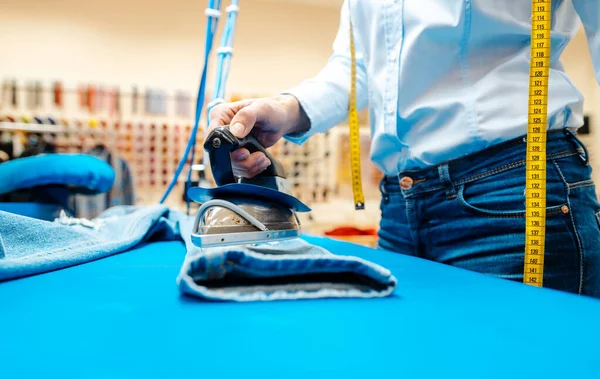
(409, 209)
(519, 163)
(579, 245)
(418, 191)
(2, 247)
(44, 253)
(500, 214)
(585, 183)
(494, 171)
(497, 170)
(339, 264)
(497, 149)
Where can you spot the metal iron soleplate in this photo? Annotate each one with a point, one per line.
(245, 238)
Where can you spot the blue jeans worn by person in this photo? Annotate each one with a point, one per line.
(470, 213)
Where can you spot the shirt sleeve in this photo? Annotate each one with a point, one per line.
(589, 13)
(325, 97)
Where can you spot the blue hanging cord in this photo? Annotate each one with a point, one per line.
(213, 13)
(225, 52)
(224, 57)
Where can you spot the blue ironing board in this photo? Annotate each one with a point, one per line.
(122, 317)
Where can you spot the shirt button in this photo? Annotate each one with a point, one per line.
(406, 183)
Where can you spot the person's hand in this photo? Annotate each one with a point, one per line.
(268, 119)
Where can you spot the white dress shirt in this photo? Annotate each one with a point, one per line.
(444, 78)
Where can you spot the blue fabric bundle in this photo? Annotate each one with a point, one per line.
(83, 173)
(41, 186)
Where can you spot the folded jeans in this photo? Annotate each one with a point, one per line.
(288, 269)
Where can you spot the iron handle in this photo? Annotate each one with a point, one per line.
(220, 143)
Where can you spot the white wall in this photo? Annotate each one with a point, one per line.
(160, 43)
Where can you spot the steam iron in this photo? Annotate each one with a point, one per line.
(242, 211)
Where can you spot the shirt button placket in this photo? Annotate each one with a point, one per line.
(393, 60)
(390, 103)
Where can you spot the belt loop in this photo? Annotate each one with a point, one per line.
(444, 174)
(586, 157)
(384, 193)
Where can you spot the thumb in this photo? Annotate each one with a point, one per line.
(244, 120)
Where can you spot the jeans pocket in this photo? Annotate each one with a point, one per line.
(574, 171)
(501, 194)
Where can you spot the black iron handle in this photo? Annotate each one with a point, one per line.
(220, 143)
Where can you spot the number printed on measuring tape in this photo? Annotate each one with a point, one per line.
(535, 189)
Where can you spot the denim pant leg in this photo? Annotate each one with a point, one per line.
(585, 220)
(482, 228)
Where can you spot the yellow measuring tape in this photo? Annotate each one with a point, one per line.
(359, 197)
(535, 192)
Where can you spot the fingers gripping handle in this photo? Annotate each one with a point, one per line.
(253, 145)
(220, 143)
(217, 145)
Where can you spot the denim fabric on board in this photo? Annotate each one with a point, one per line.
(292, 269)
(31, 246)
(470, 214)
